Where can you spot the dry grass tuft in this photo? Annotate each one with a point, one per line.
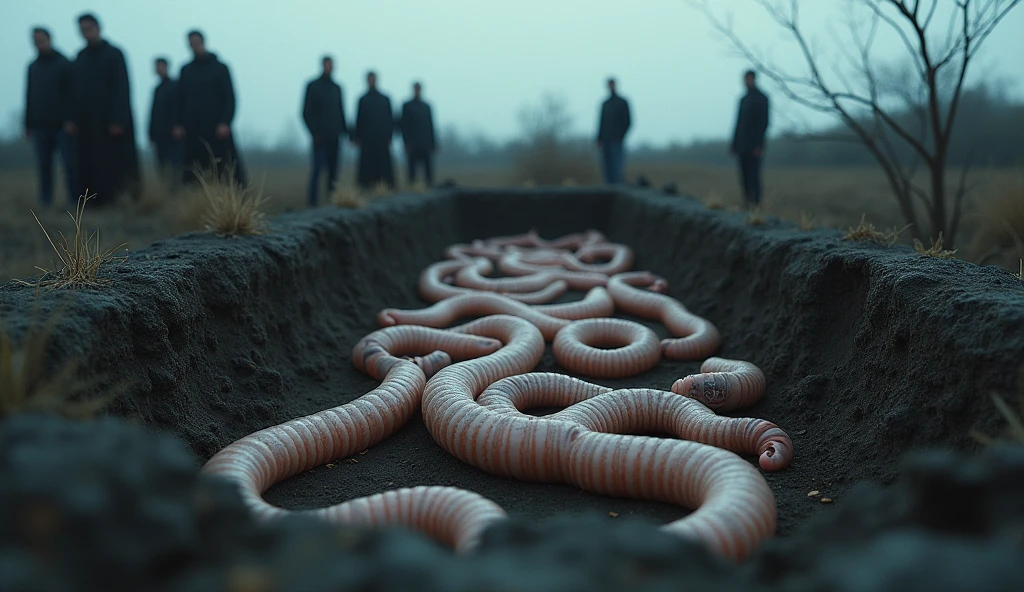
(1015, 428)
(756, 216)
(806, 221)
(935, 250)
(866, 232)
(27, 387)
(999, 225)
(81, 259)
(345, 196)
(714, 201)
(381, 189)
(231, 209)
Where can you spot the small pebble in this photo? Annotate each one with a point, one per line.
(613, 514)
(826, 500)
(814, 493)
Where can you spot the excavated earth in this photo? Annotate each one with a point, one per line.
(880, 362)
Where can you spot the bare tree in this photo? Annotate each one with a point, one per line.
(891, 104)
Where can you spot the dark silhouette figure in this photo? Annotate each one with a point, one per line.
(101, 117)
(323, 111)
(206, 108)
(47, 110)
(375, 127)
(748, 140)
(162, 118)
(611, 134)
(417, 125)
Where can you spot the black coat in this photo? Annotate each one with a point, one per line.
(323, 109)
(374, 130)
(162, 116)
(615, 120)
(206, 99)
(375, 123)
(751, 123)
(48, 92)
(417, 126)
(107, 165)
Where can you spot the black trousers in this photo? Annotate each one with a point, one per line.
(326, 155)
(169, 155)
(750, 178)
(415, 158)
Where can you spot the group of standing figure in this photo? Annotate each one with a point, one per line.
(747, 143)
(82, 110)
(323, 111)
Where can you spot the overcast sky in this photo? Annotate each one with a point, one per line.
(480, 61)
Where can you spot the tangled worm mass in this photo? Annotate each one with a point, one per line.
(473, 383)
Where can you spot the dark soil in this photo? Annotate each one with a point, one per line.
(869, 353)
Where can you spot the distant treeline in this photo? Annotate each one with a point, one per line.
(987, 133)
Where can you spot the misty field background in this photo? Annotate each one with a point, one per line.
(817, 179)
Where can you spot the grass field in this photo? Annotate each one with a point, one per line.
(826, 198)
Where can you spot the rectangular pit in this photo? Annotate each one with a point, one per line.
(869, 352)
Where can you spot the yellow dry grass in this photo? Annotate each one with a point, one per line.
(1014, 425)
(935, 250)
(28, 386)
(866, 232)
(81, 259)
(231, 209)
(347, 196)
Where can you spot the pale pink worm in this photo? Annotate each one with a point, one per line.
(723, 385)
(586, 347)
(433, 289)
(696, 337)
(445, 313)
(472, 251)
(626, 411)
(621, 258)
(268, 456)
(735, 509)
(472, 276)
(597, 303)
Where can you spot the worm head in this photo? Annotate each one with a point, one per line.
(711, 389)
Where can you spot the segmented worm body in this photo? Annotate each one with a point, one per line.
(735, 509)
(723, 385)
(432, 287)
(597, 303)
(474, 250)
(627, 411)
(268, 456)
(696, 337)
(472, 276)
(607, 348)
(445, 313)
(584, 258)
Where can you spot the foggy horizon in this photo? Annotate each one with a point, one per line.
(480, 64)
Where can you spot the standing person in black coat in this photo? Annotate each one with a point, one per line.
(161, 125)
(375, 127)
(206, 108)
(748, 139)
(102, 120)
(47, 110)
(324, 113)
(611, 134)
(417, 127)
